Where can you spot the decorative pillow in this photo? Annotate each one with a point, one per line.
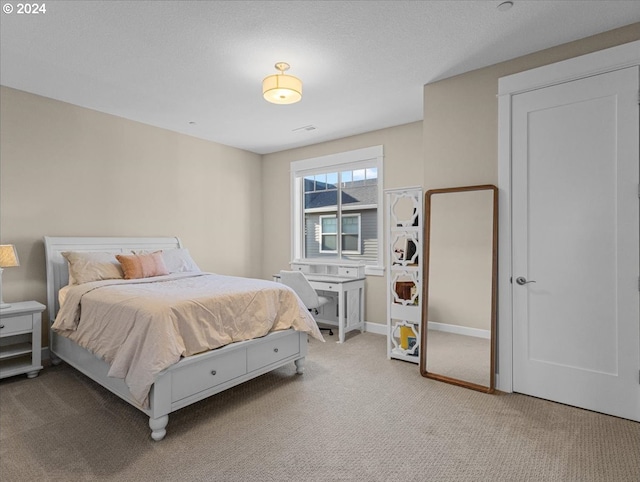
(142, 265)
(176, 260)
(92, 266)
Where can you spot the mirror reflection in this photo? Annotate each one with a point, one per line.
(458, 325)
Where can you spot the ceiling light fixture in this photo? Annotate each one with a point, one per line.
(504, 6)
(282, 88)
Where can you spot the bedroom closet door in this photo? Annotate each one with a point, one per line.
(575, 228)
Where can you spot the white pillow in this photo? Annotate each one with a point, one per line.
(179, 260)
(92, 266)
(176, 260)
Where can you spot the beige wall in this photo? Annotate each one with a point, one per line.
(460, 127)
(70, 171)
(402, 167)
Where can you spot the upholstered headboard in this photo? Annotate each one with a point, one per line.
(58, 272)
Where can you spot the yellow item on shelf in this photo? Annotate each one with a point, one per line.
(405, 333)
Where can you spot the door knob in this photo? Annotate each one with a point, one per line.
(521, 280)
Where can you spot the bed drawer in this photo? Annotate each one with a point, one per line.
(272, 351)
(191, 379)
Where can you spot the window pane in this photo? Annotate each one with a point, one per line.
(321, 182)
(350, 225)
(329, 242)
(309, 184)
(372, 173)
(350, 243)
(347, 176)
(322, 199)
(312, 236)
(358, 175)
(329, 225)
(332, 180)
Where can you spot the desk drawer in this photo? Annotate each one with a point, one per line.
(305, 268)
(272, 351)
(325, 286)
(192, 379)
(348, 272)
(16, 324)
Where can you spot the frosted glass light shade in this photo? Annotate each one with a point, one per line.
(282, 89)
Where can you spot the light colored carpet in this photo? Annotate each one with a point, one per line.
(354, 415)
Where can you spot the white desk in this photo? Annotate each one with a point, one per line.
(350, 302)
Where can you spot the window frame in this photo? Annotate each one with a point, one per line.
(364, 158)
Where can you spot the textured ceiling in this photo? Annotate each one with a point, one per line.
(196, 67)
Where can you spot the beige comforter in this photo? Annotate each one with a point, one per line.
(141, 327)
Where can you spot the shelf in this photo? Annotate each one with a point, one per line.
(15, 366)
(405, 267)
(400, 356)
(11, 351)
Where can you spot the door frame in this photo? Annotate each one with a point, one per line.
(614, 58)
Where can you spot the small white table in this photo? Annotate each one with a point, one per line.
(20, 340)
(350, 306)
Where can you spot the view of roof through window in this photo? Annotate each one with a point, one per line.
(329, 180)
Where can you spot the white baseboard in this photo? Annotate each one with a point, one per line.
(376, 328)
(460, 330)
(380, 329)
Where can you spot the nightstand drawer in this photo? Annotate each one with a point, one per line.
(16, 324)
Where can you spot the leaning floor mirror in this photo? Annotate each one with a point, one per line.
(460, 286)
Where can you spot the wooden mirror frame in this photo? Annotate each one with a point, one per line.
(425, 290)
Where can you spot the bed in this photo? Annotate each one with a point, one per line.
(188, 378)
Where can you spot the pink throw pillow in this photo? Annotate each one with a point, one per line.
(142, 265)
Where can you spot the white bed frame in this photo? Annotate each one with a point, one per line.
(191, 379)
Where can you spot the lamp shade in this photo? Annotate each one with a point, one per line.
(8, 256)
(282, 88)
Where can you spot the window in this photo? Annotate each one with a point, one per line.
(335, 207)
(328, 234)
(350, 234)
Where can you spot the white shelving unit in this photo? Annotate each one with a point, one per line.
(404, 221)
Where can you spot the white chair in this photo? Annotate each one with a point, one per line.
(299, 283)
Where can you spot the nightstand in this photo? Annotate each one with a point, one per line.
(20, 341)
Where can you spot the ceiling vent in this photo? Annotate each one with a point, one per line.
(304, 128)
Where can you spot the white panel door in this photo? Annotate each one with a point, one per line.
(576, 336)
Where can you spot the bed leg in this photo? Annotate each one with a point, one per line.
(299, 365)
(157, 426)
(55, 361)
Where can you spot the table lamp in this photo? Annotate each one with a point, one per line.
(8, 259)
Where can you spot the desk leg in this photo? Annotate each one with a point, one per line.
(341, 316)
